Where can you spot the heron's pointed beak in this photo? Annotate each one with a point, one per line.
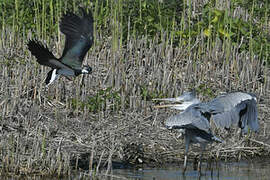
(164, 106)
(181, 106)
(168, 99)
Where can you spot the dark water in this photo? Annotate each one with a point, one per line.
(222, 171)
(245, 170)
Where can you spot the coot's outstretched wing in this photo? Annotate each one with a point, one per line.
(79, 37)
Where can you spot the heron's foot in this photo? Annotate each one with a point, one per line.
(185, 165)
(209, 164)
(184, 170)
(199, 167)
(195, 163)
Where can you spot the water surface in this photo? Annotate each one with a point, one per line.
(243, 170)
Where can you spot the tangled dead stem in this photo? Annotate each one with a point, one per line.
(95, 120)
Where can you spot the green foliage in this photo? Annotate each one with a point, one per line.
(205, 90)
(148, 95)
(101, 101)
(102, 16)
(122, 19)
(26, 15)
(136, 18)
(149, 17)
(17, 12)
(39, 16)
(250, 34)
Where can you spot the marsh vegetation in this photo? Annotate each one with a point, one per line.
(142, 50)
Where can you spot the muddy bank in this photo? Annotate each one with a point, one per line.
(35, 141)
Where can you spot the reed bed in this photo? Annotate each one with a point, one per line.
(94, 121)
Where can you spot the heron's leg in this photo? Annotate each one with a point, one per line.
(200, 161)
(240, 134)
(187, 141)
(185, 164)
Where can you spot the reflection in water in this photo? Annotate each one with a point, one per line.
(222, 171)
(230, 171)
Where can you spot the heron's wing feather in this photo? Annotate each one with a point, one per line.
(191, 118)
(226, 110)
(250, 118)
(253, 116)
(79, 37)
(226, 119)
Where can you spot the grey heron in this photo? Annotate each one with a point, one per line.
(226, 110)
(79, 39)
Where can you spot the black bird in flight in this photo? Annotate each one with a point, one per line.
(79, 39)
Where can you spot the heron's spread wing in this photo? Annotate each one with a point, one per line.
(79, 37)
(234, 109)
(250, 118)
(43, 55)
(191, 118)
